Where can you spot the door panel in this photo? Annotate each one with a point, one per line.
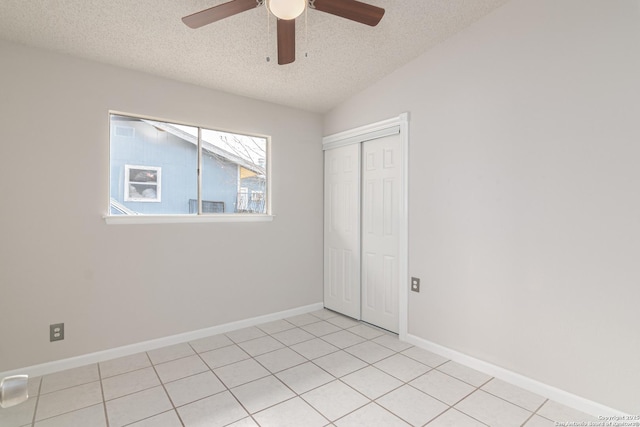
(342, 230)
(381, 204)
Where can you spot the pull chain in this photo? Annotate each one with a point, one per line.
(268, 32)
(306, 31)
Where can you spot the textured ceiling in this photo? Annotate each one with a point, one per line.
(343, 57)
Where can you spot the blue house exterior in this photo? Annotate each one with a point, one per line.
(154, 171)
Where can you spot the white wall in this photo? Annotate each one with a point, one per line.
(115, 285)
(524, 191)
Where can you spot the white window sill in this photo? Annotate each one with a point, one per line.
(185, 219)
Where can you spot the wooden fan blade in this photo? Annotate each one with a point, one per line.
(286, 41)
(351, 9)
(219, 12)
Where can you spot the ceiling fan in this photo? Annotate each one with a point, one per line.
(287, 11)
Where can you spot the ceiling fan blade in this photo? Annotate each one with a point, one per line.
(286, 41)
(219, 12)
(351, 9)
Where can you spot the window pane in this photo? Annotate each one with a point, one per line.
(233, 173)
(153, 167)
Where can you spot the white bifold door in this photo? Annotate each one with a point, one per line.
(363, 202)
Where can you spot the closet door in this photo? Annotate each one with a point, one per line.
(382, 174)
(342, 230)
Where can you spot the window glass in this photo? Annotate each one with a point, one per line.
(233, 168)
(154, 169)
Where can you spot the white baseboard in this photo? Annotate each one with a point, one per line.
(113, 353)
(550, 392)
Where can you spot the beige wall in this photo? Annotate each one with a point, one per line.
(115, 285)
(524, 191)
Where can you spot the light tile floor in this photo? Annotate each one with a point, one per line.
(317, 369)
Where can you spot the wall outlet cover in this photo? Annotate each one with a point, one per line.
(56, 332)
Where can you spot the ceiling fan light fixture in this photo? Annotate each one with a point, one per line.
(287, 9)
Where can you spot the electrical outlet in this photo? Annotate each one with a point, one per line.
(56, 332)
(415, 284)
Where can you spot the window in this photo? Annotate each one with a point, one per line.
(164, 168)
(141, 183)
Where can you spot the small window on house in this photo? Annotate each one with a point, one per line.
(124, 131)
(165, 168)
(141, 183)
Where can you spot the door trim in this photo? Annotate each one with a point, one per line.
(394, 125)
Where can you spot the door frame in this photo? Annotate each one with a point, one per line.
(377, 130)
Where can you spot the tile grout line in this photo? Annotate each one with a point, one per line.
(476, 388)
(147, 418)
(460, 379)
(513, 403)
(299, 342)
(451, 408)
(540, 407)
(534, 413)
(35, 410)
(165, 392)
(104, 401)
(125, 373)
(222, 382)
(72, 386)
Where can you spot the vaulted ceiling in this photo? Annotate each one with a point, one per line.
(336, 58)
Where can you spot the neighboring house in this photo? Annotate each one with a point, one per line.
(154, 169)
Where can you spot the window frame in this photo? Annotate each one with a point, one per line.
(189, 218)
